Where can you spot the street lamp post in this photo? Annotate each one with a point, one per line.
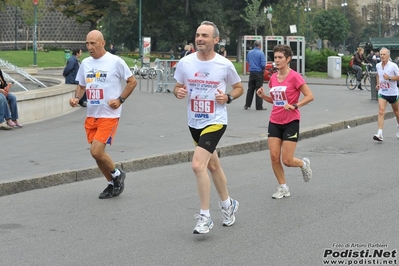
(307, 9)
(395, 27)
(140, 37)
(344, 5)
(268, 12)
(297, 27)
(35, 3)
(16, 35)
(379, 18)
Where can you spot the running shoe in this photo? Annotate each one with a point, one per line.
(107, 193)
(379, 137)
(281, 193)
(228, 214)
(119, 183)
(306, 171)
(203, 225)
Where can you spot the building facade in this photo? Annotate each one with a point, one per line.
(53, 31)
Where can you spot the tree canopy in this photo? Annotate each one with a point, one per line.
(171, 23)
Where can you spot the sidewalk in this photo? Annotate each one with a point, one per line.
(153, 132)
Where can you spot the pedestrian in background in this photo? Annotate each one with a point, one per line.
(207, 118)
(371, 61)
(112, 49)
(257, 63)
(186, 51)
(102, 76)
(286, 87)
(223, 51)
(387, 77)
(192, 47)
(71, 70)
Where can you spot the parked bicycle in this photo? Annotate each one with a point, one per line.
(143, 72)
(351, 81)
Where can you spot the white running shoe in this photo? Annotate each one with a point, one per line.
(379, 137)
(203, 225)
(281, 193)
(228, 214)
(306, 171)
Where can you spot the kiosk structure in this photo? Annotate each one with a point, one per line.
(248, 44)
(297, 44)
(270, 43)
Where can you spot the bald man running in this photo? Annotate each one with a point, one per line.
(103, 77)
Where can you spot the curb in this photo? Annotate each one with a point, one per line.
(60, 178)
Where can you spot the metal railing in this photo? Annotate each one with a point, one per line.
(165, 79)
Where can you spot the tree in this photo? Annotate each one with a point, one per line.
(358, 25)
(89, 10)
(380, 15)
(255, 17)
(331, 25)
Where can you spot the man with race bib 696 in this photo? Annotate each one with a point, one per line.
(203, 76)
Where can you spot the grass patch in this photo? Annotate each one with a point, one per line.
(314, 74)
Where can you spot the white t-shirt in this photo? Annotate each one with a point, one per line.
(388, 88)
(202, 80)
(104, 79)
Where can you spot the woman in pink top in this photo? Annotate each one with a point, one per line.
(286, 87)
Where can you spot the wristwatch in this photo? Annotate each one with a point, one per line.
(229, 98)
(121, 99)
(295, 105)
(389, 78)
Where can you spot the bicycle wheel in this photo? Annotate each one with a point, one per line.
(144, 73)
(367, 82)
(152, 74)
(350, 81)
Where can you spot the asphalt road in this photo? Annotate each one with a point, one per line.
(352, 201)
(156, 124)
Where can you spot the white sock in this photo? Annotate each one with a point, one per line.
(304, 164)
(205, 212)
(116, 173)
(226, 203)
(111, 182)
(284, 186)
(379, 131)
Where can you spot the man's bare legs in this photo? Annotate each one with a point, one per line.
(201, 163)
(115, 177)
(103, 160)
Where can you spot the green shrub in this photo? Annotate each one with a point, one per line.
(316, 61)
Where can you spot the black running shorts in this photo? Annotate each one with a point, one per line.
(288, 131)
(208, 137)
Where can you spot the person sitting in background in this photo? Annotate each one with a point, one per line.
(11, 110)
(71, 70)
(3, 112)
